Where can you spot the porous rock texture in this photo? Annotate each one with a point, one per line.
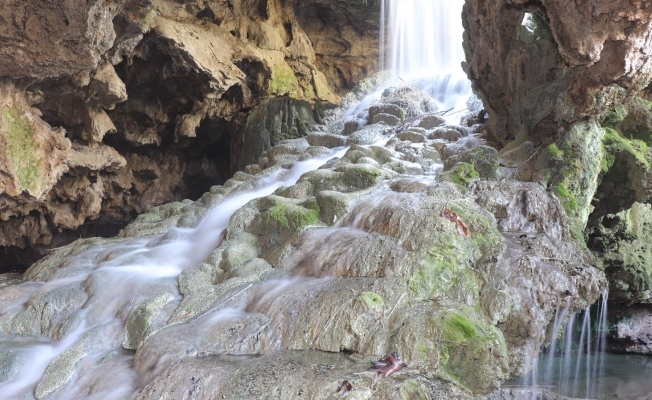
(112, 107)
(571, 59)
(356, 259)
(566, 84)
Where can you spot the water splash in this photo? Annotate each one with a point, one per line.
(421, 41)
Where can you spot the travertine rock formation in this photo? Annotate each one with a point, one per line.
(542, 65)
(112, 107)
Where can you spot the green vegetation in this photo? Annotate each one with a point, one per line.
(613, 117)
(283, 81)
(614, 143)
(569, 201)
(555, 153)
(458, 328)
(463, 173)
(22, 149)
(372, 299)
(295, 217)
(148, 21)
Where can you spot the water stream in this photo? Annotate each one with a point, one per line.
(125, 274)
(106, 284)
(576, 364)
(424, 43)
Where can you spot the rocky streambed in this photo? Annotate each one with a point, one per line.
(395, 232)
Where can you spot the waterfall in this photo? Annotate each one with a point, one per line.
(573, 365)
(421, 41)
(128, 272)
(424, 37)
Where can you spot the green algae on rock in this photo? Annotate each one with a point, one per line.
(22, 149)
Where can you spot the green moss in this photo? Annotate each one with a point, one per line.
(277, 213)
(148, 21)
(647, 103)
(463, 173)
(283, 81)
(613, 143)
(372, 299)
(22, 149)
(295, 217)
(613, 117)
(444, 269)
(361, 176)
(467, 347)
(555, 152)
(569, 201)
(458, 328)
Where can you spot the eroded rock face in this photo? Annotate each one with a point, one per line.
(149, 99)
(372, 253)
(567, 61)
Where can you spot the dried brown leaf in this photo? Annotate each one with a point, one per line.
(462, 229)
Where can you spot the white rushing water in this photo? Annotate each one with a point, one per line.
(124, 274)
(423, 39)
(573, 365)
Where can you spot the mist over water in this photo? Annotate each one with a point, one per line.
(424, 38)
(421, 42)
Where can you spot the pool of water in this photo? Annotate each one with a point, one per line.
(620, 376)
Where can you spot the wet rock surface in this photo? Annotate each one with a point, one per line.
(112, 108)
(356, 257)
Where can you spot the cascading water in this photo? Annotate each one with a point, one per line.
(109, 280)
(421, 41)
(573, 365)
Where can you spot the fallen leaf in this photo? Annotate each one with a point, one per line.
(462, 229)
(389, 364)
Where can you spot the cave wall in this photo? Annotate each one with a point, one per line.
(578, 59)
(109, 108)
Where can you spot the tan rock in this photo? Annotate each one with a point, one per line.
(541, 68)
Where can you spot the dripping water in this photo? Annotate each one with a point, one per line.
(573, 365)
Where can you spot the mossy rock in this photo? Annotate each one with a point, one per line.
(372, 300)
(283, 81)
(360, 176)
(457, 342)
(461, 174)
(445, 270)
(571, 168)
(622, 241)
(281, 214)
(22, 149)
(483, 158)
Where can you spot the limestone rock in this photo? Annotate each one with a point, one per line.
(631, 329)
(159, 95)
(483, 158)
(563, 61)
(431, 121)
(388, 119)
(385, 108)
(621, 242)
(271, 122)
